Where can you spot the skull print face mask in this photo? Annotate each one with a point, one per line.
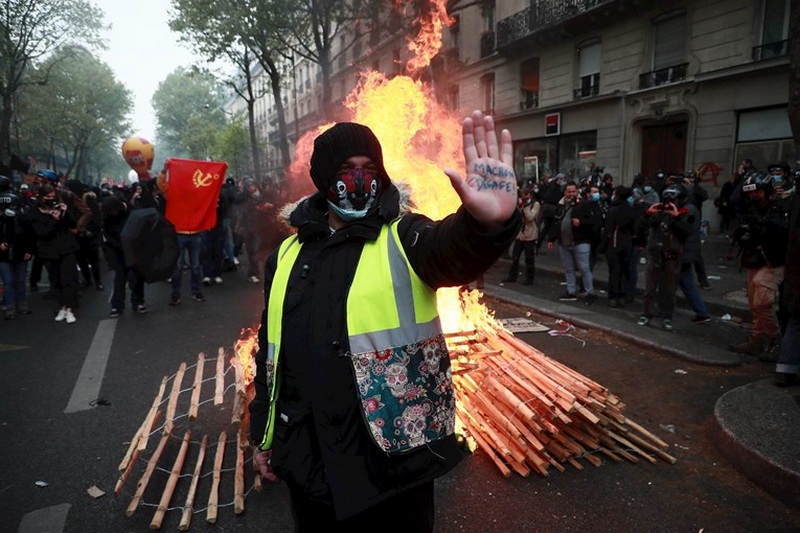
(353, 192)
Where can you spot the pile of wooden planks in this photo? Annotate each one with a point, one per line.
(528, 412)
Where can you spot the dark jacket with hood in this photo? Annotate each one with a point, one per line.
(321, 443)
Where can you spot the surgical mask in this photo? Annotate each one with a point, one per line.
(647, 188)
(595, 196)
(353, 192)
(630, 200)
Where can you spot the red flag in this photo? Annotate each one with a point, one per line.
(192, 193)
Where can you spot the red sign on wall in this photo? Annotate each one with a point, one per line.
(552, 124)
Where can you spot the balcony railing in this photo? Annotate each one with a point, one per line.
(589, 86)
(541, 15)
(771, 50)
(663, 76)
(487, 44)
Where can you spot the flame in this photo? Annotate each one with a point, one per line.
(420, 138)
(244, 350)
(428, 41)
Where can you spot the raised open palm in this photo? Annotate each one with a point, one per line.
(489, 191)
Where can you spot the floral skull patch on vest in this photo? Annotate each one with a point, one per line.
(407, 394)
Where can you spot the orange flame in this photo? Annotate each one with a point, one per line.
(428, 42)
(244, 350)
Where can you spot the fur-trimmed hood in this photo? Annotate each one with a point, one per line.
(309, 215)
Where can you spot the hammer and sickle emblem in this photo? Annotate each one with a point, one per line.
(203, 180)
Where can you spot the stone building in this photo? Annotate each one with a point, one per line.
(614, 86)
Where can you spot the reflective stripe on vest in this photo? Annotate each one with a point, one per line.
(287, 255)
(388, 305)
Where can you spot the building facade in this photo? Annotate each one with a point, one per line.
(624, 87)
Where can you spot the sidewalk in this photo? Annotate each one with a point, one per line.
(756, 427)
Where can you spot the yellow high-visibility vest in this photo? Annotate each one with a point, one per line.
(388, 307)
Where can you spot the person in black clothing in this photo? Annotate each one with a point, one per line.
(668, 225)
(617, 245)
(53, 223)
(724, 204)
(762, 238)
(354, 405)
(114, 215)
(17, 246)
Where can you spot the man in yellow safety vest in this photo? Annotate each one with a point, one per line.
(354, 405)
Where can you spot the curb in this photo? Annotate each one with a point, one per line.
(662, 342)
(756, 428)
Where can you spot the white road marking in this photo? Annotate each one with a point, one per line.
(47, 520)
(87, 388)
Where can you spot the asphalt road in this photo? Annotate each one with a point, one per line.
(41, 361)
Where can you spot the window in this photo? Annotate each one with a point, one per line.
(487, 94)
(775, 31)
(529, 74)
(670, 39)
(453, 98)
(342, 52)
(487, 43)
(669, 65)
(765, 136)
(357, 50)
(588, 70)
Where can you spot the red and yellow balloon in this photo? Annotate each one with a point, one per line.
(138, 152)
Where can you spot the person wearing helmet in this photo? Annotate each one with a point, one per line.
(667, 225)
(780, 174)
(762, 239)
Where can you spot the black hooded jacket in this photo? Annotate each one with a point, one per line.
(321, 442)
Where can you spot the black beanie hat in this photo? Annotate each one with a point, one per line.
(334, 146)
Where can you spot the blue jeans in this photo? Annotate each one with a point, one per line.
(191, 243)
(789, 358)
(577, 257)
(686, 283)
(13, 275)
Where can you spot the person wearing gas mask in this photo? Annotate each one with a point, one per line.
(354, 405)
(16, 249)
(525, 242)
(667, 225)
(762, 239)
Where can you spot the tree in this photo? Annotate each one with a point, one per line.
(214, 34)
(231, 145)
(79, 114)
(29, 31)
(188, 113)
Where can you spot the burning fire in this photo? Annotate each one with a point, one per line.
(420, 138)
(244, 351)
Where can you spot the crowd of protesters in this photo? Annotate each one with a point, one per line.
(63, 228)
(59, 226)
(658, 222)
